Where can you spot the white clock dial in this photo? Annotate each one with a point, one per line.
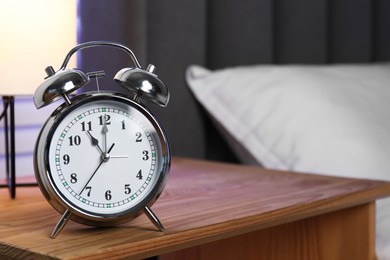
(105, 157)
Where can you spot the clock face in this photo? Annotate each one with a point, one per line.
(106, 157)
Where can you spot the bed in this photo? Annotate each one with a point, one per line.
(297, 85)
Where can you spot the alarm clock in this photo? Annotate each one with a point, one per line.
(102, 158)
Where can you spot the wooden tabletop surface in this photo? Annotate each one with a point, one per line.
(202, 202)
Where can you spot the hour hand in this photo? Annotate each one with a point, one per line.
(95, 142)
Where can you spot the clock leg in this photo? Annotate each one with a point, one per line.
(61, 223)
(156, 222)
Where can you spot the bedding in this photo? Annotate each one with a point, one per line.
(320, 119)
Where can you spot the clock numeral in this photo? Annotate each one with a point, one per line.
(88, 188)
(66, 159)
(123, 124)
(73, 178)
(139, 175)
(86, 126)
(127, 189)
(74, 140)
(108, 195)
(105, 120)
(146, 155)
(138, 136)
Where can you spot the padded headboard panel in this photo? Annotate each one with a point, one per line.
(173, 34)
(297, 31)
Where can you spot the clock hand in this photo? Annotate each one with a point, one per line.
(93, 174)
(105, 131)
(112, 146)
(104, 158)
(95, 142)
(119, 156)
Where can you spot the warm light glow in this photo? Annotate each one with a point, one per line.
(33, 35)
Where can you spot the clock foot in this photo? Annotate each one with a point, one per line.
(152, 217)
(61, 223)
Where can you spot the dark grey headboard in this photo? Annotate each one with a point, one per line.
(173, 34)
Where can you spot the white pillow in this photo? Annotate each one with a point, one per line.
(329, 119)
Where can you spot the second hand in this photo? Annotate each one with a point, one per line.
(104, 158)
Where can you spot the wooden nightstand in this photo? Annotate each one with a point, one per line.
(212, 211)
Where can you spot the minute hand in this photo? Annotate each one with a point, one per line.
(104, 132)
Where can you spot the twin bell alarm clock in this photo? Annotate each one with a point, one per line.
(102, 158)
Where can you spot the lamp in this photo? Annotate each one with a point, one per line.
(34, 34)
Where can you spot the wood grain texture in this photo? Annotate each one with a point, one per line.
(202, 203)
(344, 234)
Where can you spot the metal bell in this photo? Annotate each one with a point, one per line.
(144, 83)
(58, 85)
